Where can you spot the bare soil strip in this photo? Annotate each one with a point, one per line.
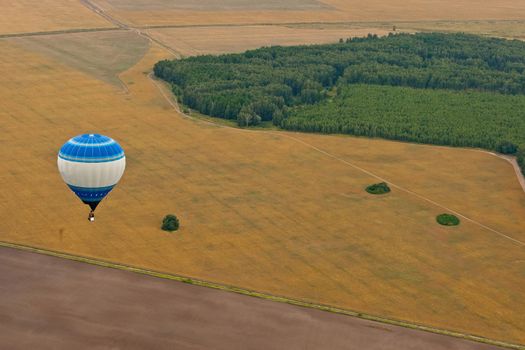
(47, 302)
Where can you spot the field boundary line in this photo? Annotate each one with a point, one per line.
(344, 161)
(406, 190)
(357, 23)
(255, 24)
(260, 295)
(97, 10)
(121, 25)
(57, 32)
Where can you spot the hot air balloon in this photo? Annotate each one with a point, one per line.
(91, 165)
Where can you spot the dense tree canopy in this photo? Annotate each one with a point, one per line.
(451, 89)
(455, 118)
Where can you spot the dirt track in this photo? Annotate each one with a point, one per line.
(47, 302)
(512, 160)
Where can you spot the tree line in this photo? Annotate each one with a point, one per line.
(454, 118)
(472, 88)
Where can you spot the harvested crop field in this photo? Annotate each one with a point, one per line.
(264, 211)
(47, 302)
(501, 28)
(22, 16)
(184, 12)
(277, 212)
(116, 51)
(144, 5)
(423, 10)
(215, 40)
(513, 29)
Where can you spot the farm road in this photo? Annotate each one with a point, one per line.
(53, 303)
(512, 160)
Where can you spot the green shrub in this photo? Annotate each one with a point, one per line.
(447, 220)
(170, 223)
(506, 147)
(380, 188)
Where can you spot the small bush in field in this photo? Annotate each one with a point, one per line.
(447, 220)
(170, 223)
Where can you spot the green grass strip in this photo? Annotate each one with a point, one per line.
(277, 298)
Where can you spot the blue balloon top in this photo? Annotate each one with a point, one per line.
(91, 148)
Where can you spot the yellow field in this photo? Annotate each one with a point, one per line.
(497, 28)
(22, 16)
(425, 10)
(277, 212)
(224, 39)
(215, 40)
(264, 210)
(504, 29)
(333, 11)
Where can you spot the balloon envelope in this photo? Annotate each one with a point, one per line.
(91, 165)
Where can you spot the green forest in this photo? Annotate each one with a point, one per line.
(444, 117)
(447, 89)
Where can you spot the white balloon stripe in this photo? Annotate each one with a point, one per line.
(91, 144)
(91, 175)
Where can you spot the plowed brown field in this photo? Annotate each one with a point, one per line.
(49, 303)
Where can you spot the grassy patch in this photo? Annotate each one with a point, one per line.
(103, 55)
